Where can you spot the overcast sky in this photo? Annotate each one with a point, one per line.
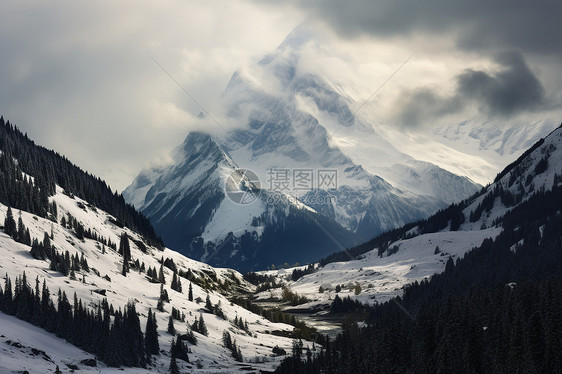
(77, 76)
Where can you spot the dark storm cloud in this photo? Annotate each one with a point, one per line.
(530, 26)
(511, 90)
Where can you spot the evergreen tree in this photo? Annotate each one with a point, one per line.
(125, 251)
(160, 305)
(171, 329)
(20, 237)
(236, 353)
(161, 277)
(164, 294)
(190, 294)
(152, 346)
(179, 350)
(208, 304)
(227, 340)
(10, 227)
(8, 302)
(45, 304)
(47, 242)
(174, 366)
(202, 327)
(64, 316)
(114, 352)
(176, 283)
(133, 336)
(27, 237)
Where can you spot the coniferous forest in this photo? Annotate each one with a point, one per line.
(21, 158)
(114, 336)
(497, 310)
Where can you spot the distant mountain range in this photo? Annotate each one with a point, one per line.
(525, 189)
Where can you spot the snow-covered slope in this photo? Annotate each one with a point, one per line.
(382, 277)
(505, 141)
(481, 148)
(105, 277)
(29, 348)
(419, 251)
(534, 171)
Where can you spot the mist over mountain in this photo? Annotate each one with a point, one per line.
(283, 120)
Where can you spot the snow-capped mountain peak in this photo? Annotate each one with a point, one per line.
(285, 117)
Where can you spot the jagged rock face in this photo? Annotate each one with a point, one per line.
(180, 200)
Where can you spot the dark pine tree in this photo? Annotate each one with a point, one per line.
(20, 237)
(161, 277)
(179, 350)
(151, 335)
(171, 329)
(202, 327)
(10, 227)
(176, 283)
(174, 369)
(133, 336)
(125, 251)
(208, 304)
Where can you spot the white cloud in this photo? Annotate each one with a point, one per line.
(76, 76)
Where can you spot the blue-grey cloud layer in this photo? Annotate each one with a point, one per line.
(509, 91)
(530, 26)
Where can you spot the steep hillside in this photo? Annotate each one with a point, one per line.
(104, 280)
(76, 273)
(29, 174)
